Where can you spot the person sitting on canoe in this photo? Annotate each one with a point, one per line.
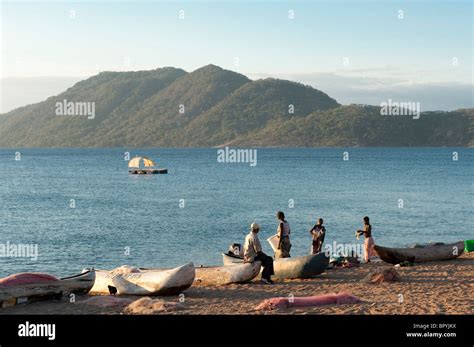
(283, 232)
(253, 252)
(369, 240)
(318, 232)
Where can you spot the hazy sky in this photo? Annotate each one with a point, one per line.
(356, 51)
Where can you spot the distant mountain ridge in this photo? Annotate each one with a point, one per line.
(211, 106)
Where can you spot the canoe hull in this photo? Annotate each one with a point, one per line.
(419, 255)
(78, 284)
(146, 282)
(299, 267)
(223, 275)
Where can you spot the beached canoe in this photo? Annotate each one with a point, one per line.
(222, 275)
(299, 267)
(420, 254)
(25, 287)
(144, 281)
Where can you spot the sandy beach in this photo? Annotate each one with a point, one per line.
(444, 287)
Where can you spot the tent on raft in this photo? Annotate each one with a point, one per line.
(144, 166)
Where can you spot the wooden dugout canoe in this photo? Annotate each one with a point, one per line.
(299, 267)
(222, 275)
(420, 254)
(78, 284)
(145, 282)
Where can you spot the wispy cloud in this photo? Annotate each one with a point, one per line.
(373, 86)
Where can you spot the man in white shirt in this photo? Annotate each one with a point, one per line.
(253, 252)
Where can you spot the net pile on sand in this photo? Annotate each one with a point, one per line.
(144, 305)
(383, 275)
(106, 301)
(148, 305)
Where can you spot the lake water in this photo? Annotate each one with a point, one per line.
(116, 213)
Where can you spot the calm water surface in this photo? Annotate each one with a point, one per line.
(115, 210)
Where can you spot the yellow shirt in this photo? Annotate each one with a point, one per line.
(252, 247)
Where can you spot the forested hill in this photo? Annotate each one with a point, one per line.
(170, 107)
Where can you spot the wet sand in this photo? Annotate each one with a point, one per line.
(444, 287)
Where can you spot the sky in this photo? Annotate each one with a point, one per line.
(356, 51)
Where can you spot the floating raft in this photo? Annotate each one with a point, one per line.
(148, 171)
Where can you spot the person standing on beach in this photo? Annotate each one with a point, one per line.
(318, 232)
(369, 240)
(253, 252)
(283, 232)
